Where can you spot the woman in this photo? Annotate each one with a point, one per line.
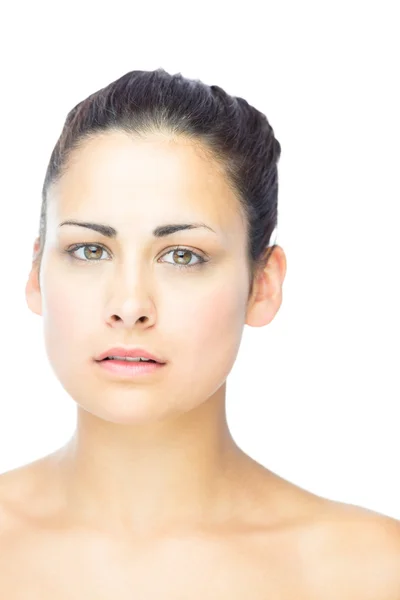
(159, 203)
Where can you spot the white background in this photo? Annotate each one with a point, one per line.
(315, 395)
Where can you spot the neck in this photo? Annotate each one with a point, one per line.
(185, 471)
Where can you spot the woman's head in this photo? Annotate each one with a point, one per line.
(148, 150)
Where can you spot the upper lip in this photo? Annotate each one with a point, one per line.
(128, 351)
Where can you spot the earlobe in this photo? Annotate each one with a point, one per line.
(33, 292)
(267, 293)
(265, 302)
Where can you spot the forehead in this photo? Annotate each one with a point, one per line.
(116, 175)
(157, 161)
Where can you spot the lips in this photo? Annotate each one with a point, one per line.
(123, 352)
(129, 369)
(131, 361)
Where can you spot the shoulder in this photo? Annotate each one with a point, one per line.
(12, 493)
(18, 491)
(356, 553)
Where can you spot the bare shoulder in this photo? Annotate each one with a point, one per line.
(18, 488)
(356, 553)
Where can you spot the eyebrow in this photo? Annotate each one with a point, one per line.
(158, 232)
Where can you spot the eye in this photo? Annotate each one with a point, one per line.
(181, 252)
(94, 249)
(94, 253)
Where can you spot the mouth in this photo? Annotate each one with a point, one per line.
(130, 360)
(129, 368)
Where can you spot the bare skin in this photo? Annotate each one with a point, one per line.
(288, 544)
(152, 497)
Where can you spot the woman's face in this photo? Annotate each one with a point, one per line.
(130, 289)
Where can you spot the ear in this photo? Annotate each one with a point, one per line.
(32, 289)
(266, 298)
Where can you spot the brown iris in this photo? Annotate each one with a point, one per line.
(187, 252)
(97, 249)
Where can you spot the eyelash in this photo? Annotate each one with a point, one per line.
(75, 247)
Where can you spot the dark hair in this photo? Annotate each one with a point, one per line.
(230, 130)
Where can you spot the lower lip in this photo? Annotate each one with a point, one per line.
(129, 369)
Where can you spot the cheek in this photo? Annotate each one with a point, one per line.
(210, 330)
(65, 316)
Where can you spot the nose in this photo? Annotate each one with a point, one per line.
(130, 304)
